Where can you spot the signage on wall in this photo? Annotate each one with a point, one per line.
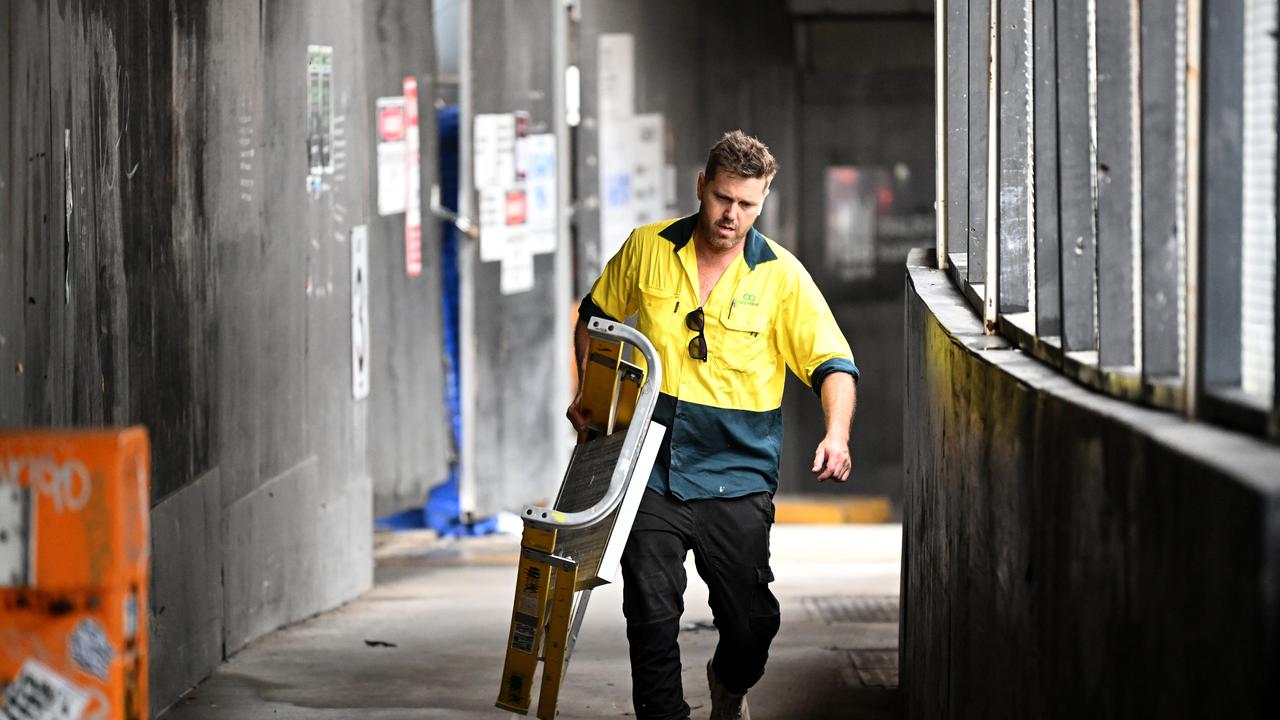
(515, 180)
(393, 171)
(319, 115)
(413, 182)
(632, 169)
(360, 312)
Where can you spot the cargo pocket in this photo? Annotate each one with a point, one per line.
(765, 612)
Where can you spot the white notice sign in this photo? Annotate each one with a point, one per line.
(359, 312)
(617, 74)
(540, 189)
(517, 266)
(392, 165)
(648, 156)
(493, 222)
(494, 143)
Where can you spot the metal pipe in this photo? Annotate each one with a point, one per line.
(1192, 374)
(991, 285)
(467, 253)
(940, 130)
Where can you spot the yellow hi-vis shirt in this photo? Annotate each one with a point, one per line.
(763, 316)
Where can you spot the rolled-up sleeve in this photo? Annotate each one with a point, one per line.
(614, 293)
(809, 338)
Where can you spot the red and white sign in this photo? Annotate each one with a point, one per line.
(413, 198)
(393, 170)
(517, 207)
(391, 122)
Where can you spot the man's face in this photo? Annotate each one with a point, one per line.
(730, 205)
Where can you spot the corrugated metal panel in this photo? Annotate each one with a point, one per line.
(1258, 264)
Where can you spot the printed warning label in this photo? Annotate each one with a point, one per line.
(39, 693)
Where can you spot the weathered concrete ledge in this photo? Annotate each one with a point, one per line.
(1067, 554)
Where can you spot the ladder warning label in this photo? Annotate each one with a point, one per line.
(525, 630)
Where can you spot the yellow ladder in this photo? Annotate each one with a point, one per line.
(552, 586)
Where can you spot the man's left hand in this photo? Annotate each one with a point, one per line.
(832, 460)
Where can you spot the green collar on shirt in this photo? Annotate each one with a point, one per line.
(757, 250)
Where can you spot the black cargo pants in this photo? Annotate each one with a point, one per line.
(729, 538)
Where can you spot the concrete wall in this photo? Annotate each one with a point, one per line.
(515, 365)
(163, 262)
(1068, 555)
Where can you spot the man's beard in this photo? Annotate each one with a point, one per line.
(711, 233)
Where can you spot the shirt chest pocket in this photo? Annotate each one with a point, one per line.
(743, 339)
(658, 312)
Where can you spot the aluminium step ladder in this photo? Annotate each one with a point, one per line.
(576, 545)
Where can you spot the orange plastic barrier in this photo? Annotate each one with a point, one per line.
(74, 564)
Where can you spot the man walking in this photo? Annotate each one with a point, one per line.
(728, 311)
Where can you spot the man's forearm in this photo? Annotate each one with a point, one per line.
(839, 400)
(581, 344)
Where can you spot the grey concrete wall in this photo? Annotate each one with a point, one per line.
(162, 262)
(515, 365)
(1069, 555)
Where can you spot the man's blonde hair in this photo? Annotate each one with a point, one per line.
(742, 155)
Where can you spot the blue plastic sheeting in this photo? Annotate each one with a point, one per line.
(442, 512)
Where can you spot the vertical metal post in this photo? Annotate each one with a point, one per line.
(1273, 427)
(1221, 194)
(466, 269)
(977, 136)
(1115, 173)
(1135, 173)
(1193, 385)
(957, 99)
(1162, 177)
(1047, 290)
(1015, 158)
(940, 94)
(991, 281)
(563, 277)
(1077, 167)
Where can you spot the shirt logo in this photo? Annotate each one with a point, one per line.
(749, 299)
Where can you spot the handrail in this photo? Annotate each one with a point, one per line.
(646, 401)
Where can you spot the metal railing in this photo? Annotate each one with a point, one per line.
(1107, 193)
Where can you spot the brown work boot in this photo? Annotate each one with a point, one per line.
(726, 705)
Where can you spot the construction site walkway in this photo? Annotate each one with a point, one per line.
(427, 641)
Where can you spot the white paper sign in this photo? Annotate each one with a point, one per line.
(494, 143)
(648, 156)
(540, 190)
(493, 223)
(617, 74)
(40, 693)
(359, 312)
(617, 213)
(392, 164)
(517, 266)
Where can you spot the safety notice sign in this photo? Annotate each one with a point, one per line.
(393, 171)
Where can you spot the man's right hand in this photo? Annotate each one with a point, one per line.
(577, 415)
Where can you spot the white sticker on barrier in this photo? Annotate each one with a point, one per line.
(40, 693)
(90, 648)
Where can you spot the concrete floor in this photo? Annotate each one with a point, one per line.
(445, 606)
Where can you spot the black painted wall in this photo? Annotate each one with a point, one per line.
(1069, 555)
(164, 263)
